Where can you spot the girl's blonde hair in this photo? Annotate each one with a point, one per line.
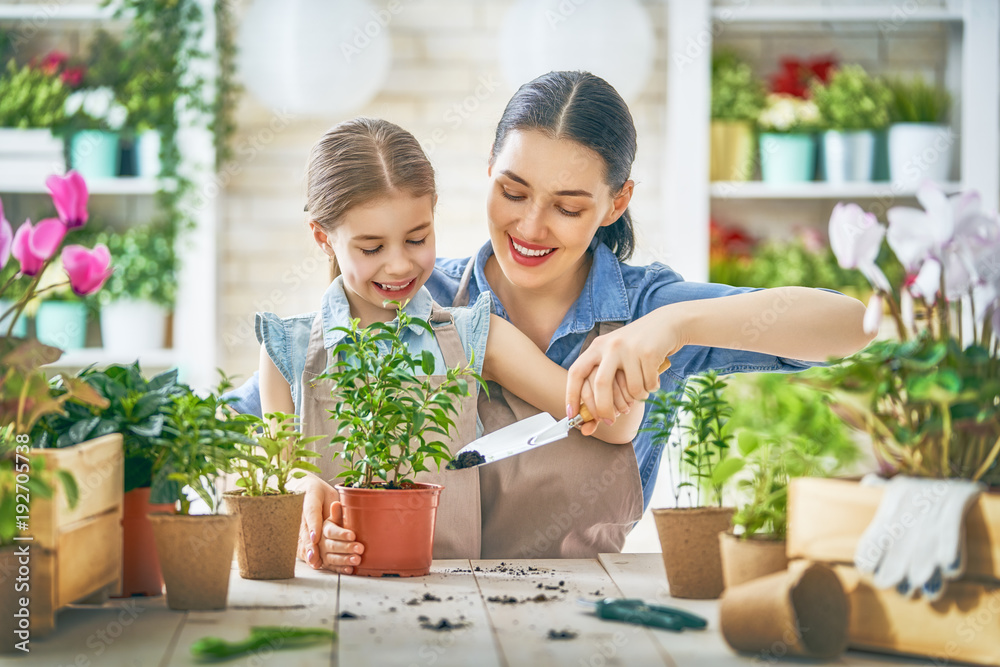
(361, 161)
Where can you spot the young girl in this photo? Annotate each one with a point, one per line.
(371, 199)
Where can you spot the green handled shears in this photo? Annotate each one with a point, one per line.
(638, 612)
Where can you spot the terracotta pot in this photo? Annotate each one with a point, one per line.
(267, 533)
(196, 554)
(747, 559)
(140, 565)
(395, 525)
(690, 542)
(802, 611)
(9, 595)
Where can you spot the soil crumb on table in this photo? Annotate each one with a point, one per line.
(562, 634)
(348, 615)
(469, 459)
(443, 625)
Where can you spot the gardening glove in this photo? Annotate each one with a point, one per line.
(916, 542)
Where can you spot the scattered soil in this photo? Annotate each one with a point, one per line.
(469, 459)
(422, 618)
(443, 625)
(431, 598)
(413, 603)
(506, 599)
(542, 597)
(348, 615)
(562, 634)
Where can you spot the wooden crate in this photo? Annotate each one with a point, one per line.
(77, 553)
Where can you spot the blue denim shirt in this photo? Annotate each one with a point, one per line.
(618, 292)
(287, 339)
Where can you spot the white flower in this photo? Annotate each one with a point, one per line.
(787, 113)
(98, 104)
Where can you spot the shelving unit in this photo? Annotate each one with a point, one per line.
(195, 341)
(972, 74)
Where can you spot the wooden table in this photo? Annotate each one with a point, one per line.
(493, 603)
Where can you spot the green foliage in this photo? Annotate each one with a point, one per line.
(705, 436)
(852, 100)
(136, 408)
(30, 98)
(280, 452)
(262, 638)
(145, 265)
(916, 101)
(388, 418)
(736, 93)
(930, 405)
(784, 429)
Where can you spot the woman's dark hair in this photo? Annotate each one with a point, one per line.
(585, 108)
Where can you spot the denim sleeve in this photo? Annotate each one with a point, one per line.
(445, 278)
(473, 323)
(271, 333)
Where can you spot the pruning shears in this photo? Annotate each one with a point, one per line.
(638, 612)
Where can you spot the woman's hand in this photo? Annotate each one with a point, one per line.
(323, 541)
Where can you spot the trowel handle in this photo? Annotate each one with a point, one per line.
(584, 415)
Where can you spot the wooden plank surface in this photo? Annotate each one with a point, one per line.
(643, 576)
(530, 599)
(399, 620)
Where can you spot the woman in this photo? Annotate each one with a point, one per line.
(560, 231)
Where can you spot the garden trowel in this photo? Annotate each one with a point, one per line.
(519, 437)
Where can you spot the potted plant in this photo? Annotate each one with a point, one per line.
(136, 408)
(787, 141)
(60, 315)
(196, 446)
(141, 291)
(388, 424)
(853, 106)
(269, 513)
(689, 536)
(94, 120)
(737, 98)
(920, 142)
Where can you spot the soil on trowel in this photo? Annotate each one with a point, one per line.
(469, 459)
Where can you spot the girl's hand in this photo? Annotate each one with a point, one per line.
(323, 542)
(622, 366)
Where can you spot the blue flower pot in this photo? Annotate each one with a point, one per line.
(787, 158)
(62, 324)
(95, 154)
(20, 329)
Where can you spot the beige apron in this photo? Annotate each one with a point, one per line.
(457, 532)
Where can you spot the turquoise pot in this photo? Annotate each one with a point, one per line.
(62, 324)
(20, 329)
(95, 154)
(787, 158)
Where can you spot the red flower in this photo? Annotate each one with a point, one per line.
(795, 75)
(729, 241)
(72, 76)
(53, 62)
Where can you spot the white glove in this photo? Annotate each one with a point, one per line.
(916, 542)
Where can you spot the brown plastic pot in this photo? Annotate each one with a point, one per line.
(802, 611)
(267, 533)
(396, 527)
(196, 554)
(746, 559)
(690, 542)
(141, 573)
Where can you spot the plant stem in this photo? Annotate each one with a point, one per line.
(945, 438)
(988, 462)
(897, 316)
(943, 313)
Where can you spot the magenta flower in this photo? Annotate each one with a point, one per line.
(856, 237)
(87, 269)
(69, 195)
(33, 245)
(6, 238)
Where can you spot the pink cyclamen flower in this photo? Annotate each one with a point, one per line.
(873, 315)
(87, 269)
(69, 195)
(6, 237)
(856, 238)
(33, 244)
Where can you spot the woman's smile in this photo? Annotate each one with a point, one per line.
(528, 254)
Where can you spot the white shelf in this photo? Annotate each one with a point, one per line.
(816, 190)
(158, 359)
(55, 13)
(101, 186)
(833, 14)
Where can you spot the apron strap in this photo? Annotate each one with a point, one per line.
(447, 337)
(317, 357)
(462, 295)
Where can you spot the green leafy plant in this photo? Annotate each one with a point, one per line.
(279, 452)
(916, 101)
(31, 98)
(145, 265)
(705, 437)
(136, 408)
(852, 100)
(736, 93)
(387, 416)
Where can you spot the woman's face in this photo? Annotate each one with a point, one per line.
(546, 201)
(385, 251)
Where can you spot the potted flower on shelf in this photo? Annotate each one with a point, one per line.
(388, 424)
(737, 98)
(269, 514)
(853, 106)
(141, 291)
(60, 315)
(920, 142)
(196, 447)
(787, 141)
(94, 119)
(689, 536)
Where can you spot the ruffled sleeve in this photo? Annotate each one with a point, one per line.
(272, 334)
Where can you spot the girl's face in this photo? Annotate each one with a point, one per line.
(385, 250)
(547, 199)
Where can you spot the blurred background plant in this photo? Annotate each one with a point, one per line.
(788, 113)
(737, 94)
(916, 101)
(145, 265)
(852, 100)
(795, 75)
